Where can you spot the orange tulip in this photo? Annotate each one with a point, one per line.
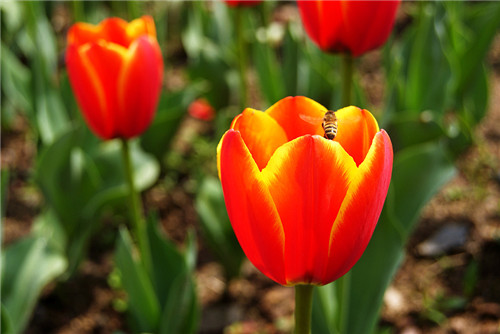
(116, 71)
(304, 207)
(348, 26)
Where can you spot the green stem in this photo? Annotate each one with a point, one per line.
(303, 308)
(78, 11)
(347, 79)
(241, 54)
(138, 222)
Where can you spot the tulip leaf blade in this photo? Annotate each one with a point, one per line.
(173, 284)
(181, 312)
(168, 262)
(5, 322)
(216, 227)
(143, 304)
(324, 310)
(27, 267)
(419, 172)
(269, 72)
(171, 110)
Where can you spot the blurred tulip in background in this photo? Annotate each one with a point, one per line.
(201, 109)
(116, 71)
(242, 3)
(348, 26)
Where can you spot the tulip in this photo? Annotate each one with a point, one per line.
(348, 26)
(242, 3)
(304, 207)
(201, 109)
(116, 71)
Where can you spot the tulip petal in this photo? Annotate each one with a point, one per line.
(93, 71)
(250, 207)
(361, 209)
(113, 30)
(141, 26)
(356, 129)
(373, 24)
(139, 87)
(261, 134)
(308, 178)
(298, 116)
(323, 23)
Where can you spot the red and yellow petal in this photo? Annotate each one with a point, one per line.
(139, 87)
(361, 209)
(373, 24)
(261, 133)
(298, 116)
(141, 26)
(93, 70)
(113, 30)
(322, 21)
(250, 207)
(308, 179)
(356, 129)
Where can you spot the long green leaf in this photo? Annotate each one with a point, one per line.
(216, 226)
(28, 266)
(142, 301)
(419, 172)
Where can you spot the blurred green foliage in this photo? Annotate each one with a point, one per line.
(436, 92)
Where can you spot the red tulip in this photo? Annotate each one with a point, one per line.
(304, 207)
(116, 71)
(242, 3)
(201, 109)
(348, 26)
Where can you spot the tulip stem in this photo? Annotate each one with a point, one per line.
(138, 221)
(303, 308)
(347, 79)
(241, 54)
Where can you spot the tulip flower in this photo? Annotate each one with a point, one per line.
(348, 26)
(304, 207)
(116, 71)
(242, 3)
(201, 109)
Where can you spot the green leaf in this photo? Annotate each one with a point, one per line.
(290, 62)
(171, 110)
(3, 195)
(318, 76)
(181, 312)
(482, 19)
(269, 72)
(168, 262)
(143, 304)
(216, 227)
(16, 81)
(51, 116)
(427, 80)
(80, 175)
(29, 265)
(5, 322)
(419, 172)
(324, 309)
(408, 129)
(12, 14)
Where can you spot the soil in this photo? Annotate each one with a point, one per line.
(458, 292)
